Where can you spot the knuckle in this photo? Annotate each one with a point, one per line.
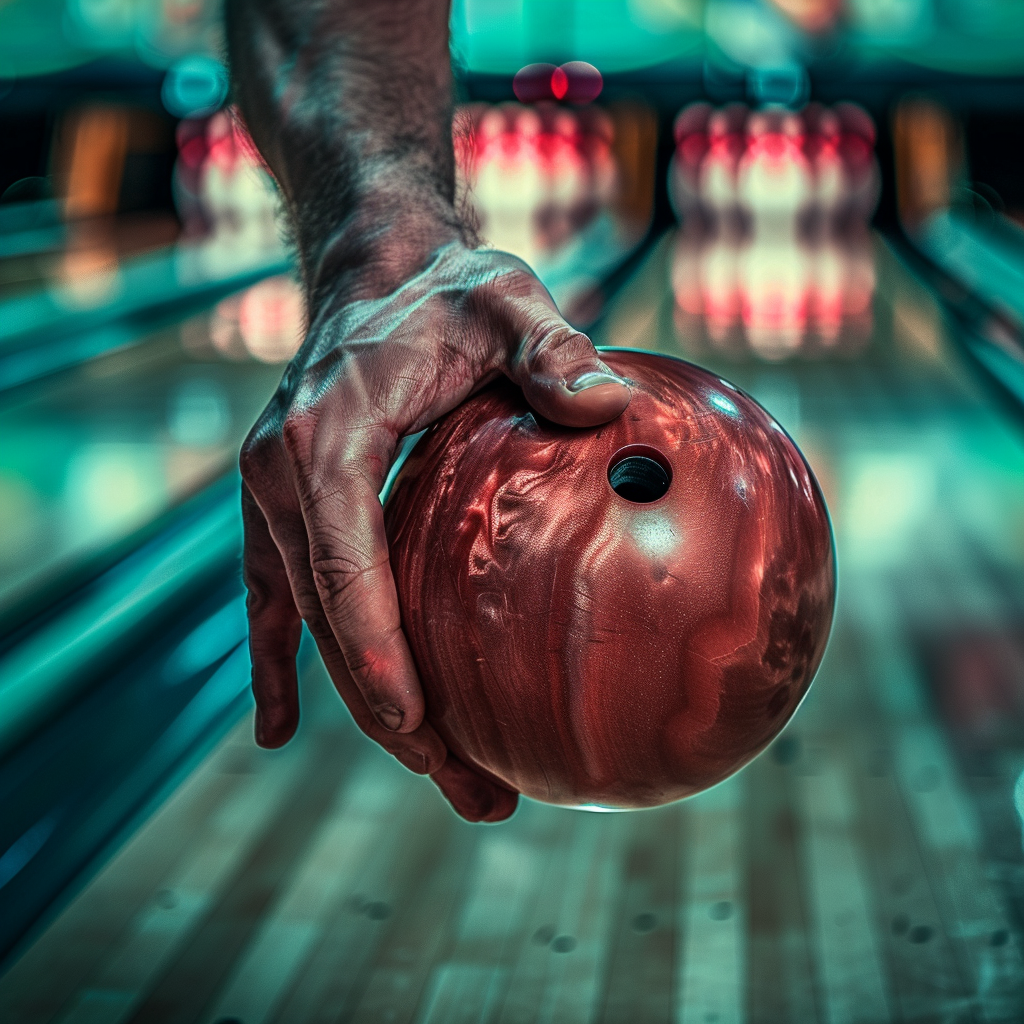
(519, 278)
(496, 277)
(258, 596)
(269, 608)
(256, 451)
(314, 616)
(420, 758)
(548, 342)
(297, 433)
(508, 269)
(335, 575)
(373, 663)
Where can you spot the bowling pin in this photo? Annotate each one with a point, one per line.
(691, 138)
(719, 286)
(717, 181)
(487, 166)
(822, 139)
(598, 137)
(774, 183)
(565, 179)
(774, 275)
(857, 151)
(686, 275)
(827, 275)
(509, 184)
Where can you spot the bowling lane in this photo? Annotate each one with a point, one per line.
(97, 453)
(38, 249)
(867, 867)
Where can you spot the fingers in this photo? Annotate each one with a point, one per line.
(352, 572)
(422, 750)
(559, 369)
(474, 797)
(275, 629)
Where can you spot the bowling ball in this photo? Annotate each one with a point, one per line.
(617, 616)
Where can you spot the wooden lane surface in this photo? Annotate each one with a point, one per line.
(70, 957)
(845, 876)
(712, 964)
(805, 888)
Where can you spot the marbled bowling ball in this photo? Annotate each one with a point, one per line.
(617, 616)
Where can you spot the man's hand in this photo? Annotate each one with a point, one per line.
(371, 372)
(350, 103)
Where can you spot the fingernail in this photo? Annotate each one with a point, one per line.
(390, 717)
(593, 378)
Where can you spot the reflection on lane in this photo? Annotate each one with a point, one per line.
(774, 292)
(99, 452)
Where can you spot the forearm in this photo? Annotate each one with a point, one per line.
(349, 102)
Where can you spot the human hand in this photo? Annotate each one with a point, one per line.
(370, 372)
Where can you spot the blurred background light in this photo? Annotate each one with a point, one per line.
(194, 86)
(787, 84)
(106, 23)
(112, 485)
(199, 413)
(751, 34)
(501, 36)
(575, 82)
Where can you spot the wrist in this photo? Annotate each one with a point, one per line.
(384, 236)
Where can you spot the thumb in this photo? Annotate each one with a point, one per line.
(560, 372)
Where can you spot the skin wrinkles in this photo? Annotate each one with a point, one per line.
(350, 106)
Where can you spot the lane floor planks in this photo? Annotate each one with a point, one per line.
(868, 867)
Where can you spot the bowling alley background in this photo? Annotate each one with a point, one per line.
(820, 201)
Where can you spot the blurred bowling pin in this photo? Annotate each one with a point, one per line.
(857, 151)
(774, 272)
(509, 182)
(564, 205)
(717, 182)
(597, 138)
(774, 182)
(828, 273)
(821, 146)
(687, 260)
(237, 194)
(691, 138)
(720, 292)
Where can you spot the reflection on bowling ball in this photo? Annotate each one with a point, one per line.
(618, 616)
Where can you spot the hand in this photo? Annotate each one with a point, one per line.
(370, 372)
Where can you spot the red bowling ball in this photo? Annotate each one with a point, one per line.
(618, 616)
